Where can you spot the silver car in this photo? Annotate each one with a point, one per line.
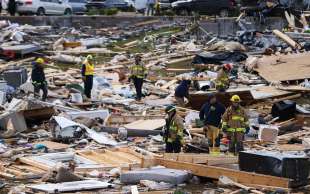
(78, 6)
(44, 7)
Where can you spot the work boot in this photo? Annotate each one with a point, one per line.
(215, 151)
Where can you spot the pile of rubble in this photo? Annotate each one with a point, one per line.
(112, 143)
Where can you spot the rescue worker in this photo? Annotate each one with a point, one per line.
(138, 73)
(88, 71)
(211, 113)
(181, 92)
(222, 80)
(150, 7)
(12, 7)
(173, 134)
(38, 78)
(235, 124)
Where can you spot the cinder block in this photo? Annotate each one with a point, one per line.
(167, 175)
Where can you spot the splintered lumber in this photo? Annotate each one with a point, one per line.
(201, 158)
(294, 88)
(287, 98)
(152, 78)
(180, 60)
(170, 83)
(287, 39)
(179, 70)
(16, 63)
(215, 173)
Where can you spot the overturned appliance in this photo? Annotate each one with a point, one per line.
(65, 130)
(291, 165)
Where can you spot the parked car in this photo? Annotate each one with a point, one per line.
(166, 4)
(44, 7)
(119, 4)
(78, 6)
(95, 4)
(205, 7)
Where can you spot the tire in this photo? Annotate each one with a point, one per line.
(41, 11)
(68, 12)
(224, 13)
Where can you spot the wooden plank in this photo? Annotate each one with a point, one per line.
(293, 88)
(215, 172)
(287, 39)
(33, 163)
(114, 157)
(180, 60)
(201, 158)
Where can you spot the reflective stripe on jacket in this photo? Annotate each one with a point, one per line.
(222, 80)
(235, 120)
(176, 129)
(138, 71)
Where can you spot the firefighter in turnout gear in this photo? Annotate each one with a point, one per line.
(173, 134)
(38, 78)
(138, 73)
(88, 71)
(235, 124)
(222, 80)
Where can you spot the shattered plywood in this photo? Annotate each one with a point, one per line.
(284, 67)
(146, 124)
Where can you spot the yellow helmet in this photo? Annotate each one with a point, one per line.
(235, 98)
(40, 60)
(89, 57)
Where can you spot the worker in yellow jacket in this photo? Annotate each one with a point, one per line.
(222, 80)
(173, 134)
(138, 73)
(235, 124)
(88, 71)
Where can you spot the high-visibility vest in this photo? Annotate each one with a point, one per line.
(174, 131)
(222, 81)
(89, 68)
(138, 71)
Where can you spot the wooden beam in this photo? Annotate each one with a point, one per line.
(216, 172)
(201, 158)
(287, 39)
